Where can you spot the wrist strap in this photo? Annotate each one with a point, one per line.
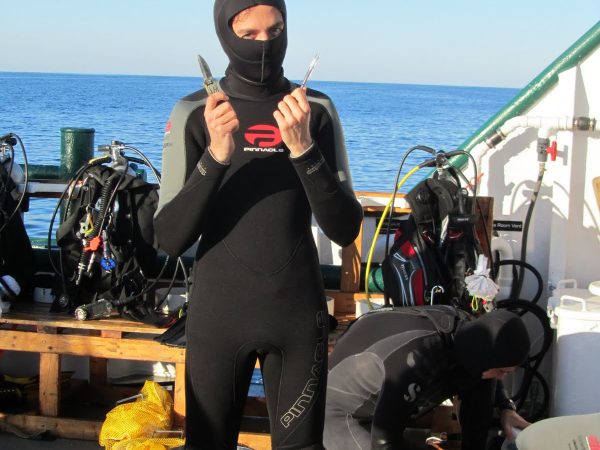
(216, 160)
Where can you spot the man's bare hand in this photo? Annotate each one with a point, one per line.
(510, 419)
(222, 121)
(293, 120)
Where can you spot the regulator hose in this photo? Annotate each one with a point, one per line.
(518, 281)
(106, 195)
(532, 364)
(524, 265)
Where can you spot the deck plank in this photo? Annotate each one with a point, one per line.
(34, 315)
(100, 347)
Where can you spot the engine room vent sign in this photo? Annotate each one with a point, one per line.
(508, 225)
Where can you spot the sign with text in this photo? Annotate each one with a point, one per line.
(508, 225)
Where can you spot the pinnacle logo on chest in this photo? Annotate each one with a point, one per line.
(263, 138)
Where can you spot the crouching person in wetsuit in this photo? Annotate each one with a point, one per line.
(243, 170)
(395, 364)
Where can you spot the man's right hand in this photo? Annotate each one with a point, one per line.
(222, 121)
(510, 419)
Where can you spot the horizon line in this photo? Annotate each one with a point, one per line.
(199, 77)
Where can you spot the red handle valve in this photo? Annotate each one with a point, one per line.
(552, 151)
(94, 244)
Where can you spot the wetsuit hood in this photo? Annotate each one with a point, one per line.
(495, 340)
(253, 61)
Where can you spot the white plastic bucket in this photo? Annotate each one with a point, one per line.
(362, 306)
(569, 287)
(576, 362)
(330, 305)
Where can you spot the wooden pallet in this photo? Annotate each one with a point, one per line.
(30, 328)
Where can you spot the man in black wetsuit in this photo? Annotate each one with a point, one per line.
(394, 364)
(243, 170)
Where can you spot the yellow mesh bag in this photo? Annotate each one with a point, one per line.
(152, 411)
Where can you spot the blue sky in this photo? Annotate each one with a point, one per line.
(449, 42)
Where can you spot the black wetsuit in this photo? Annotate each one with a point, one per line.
(395, 364)
(257, 290)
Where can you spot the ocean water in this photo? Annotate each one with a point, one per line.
(381, 121)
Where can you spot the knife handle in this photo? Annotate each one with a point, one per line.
(211, 87)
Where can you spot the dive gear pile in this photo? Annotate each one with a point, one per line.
(436, 246)
(106, 239)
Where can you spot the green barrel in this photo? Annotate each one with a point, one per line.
(376, 280)
(76, 149)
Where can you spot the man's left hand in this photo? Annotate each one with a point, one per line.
(293, 119)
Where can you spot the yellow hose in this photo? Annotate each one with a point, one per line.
(383, 215)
